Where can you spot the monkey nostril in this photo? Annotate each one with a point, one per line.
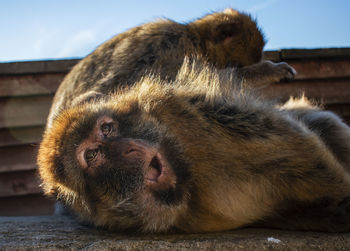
(155, 170)
(155, 163)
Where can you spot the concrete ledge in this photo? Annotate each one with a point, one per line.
(63, 233)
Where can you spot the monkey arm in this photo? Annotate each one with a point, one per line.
(328, 126)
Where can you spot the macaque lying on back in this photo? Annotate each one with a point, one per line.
(198, 155)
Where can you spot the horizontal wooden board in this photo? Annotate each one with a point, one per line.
(19, 183)
(319, 69)
(27, 205)
(24, 111)
(29, 67)
(26, 85)
(18, 158)
(307, 54)
(43, 84)
(287, 54)
(331, 91)
(272, 55)
(63, 66)
(20, 136)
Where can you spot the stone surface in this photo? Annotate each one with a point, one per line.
(64, 233)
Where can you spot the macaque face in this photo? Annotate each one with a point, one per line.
(123, 164)
(124, 169)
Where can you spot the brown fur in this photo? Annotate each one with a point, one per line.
(235, 160)
(224, 39)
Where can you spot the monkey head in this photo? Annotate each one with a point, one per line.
(230, 38)
(115, 168)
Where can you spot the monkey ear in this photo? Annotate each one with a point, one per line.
(226, 31)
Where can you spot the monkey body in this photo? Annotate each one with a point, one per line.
(185, 155)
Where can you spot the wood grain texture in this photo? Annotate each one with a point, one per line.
(19, 183)
(30, 84)
(24, 111)
(18, 158)
(17, 136)
(35, 67)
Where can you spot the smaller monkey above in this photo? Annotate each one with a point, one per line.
(223, 39)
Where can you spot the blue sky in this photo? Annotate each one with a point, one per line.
(47, 29)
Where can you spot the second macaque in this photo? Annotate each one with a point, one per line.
(227, 39)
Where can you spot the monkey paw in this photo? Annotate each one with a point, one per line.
(284, 71)
(266, 72)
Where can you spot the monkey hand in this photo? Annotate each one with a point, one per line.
(265, 73)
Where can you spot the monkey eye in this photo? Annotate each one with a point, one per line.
(90, 155)
(106, 129)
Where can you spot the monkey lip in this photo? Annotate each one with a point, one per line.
(155, 169)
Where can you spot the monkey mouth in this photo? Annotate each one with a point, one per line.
(155, 169)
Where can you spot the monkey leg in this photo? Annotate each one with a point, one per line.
(334, 133)
(310, 189)
(329, 208)
(319, 197)
(326, 204)
(265, 73)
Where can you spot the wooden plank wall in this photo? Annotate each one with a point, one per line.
(26, 92)
(27, 89)
(323, 75)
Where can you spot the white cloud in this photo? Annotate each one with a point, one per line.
(43, 39)
(77, 43)
(261, 6)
